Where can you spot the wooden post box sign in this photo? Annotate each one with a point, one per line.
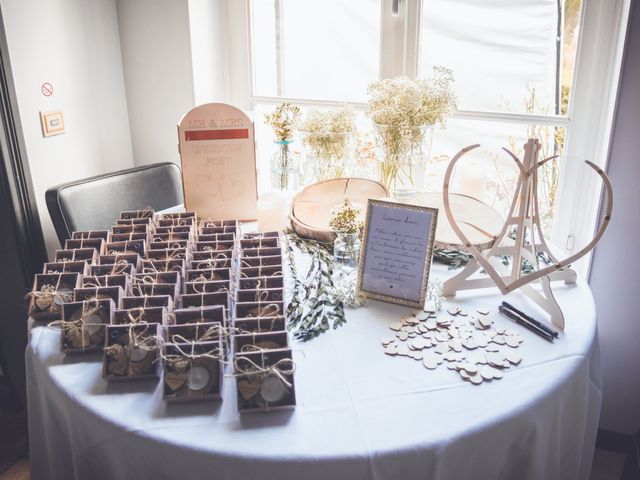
(218, 156)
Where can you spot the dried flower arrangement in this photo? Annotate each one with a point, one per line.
(283, 121)
(328, 138)
(344, 219)
(403, 110)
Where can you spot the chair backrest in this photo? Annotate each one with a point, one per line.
(95, 203)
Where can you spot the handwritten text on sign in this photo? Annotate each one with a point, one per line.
(396, 251)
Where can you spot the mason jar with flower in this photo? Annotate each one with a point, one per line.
(346, 223)
(328, 140)
(284, 165)
(404, 112)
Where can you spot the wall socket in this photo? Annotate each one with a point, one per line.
(52, 123)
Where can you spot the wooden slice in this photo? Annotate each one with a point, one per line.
(312, 207)
(480, 222)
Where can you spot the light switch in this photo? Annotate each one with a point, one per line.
(52, 123)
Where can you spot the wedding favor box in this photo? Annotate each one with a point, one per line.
(135, 246)
(207, 286)
(107, 281)
(134, 221)
(121, 268)
(217, 237)
(81, 267)
(264, 380)
(251, 342)
(207, 274)
(103, 234)
(157, 277)
(142, 315)
(192, 371)
(49, 293)
(271, 271)
(95, 243)
(148, 301)
(154, 289)
(89, 255)
(177, 222)
(206, 299)
(146, 213)
(260, 282)
(129, 237)
(118, 258)
(194, 332)
(84, 323)
(210, 262)
(260, 325)
(131, 352)
(162, 266)
(130, 229)
(205, 314)
(114, 293)
(260, 295)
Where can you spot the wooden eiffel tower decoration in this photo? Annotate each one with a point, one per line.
(521, 239)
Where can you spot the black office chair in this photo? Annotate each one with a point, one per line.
(95, 203)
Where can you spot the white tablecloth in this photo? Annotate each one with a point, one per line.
(360, 414)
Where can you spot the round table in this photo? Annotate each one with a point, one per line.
(360, 414)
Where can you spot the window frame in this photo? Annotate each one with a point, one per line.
(588, 121)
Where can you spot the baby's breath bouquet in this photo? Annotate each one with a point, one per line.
(345, 221)
(404, 112)
(283, 121)
(327, 136)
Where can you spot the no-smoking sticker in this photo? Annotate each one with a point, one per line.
(46, 89)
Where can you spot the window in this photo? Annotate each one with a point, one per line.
(531, 67)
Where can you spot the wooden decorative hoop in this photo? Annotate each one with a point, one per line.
(527, 217)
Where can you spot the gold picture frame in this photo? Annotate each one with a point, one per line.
(419, 267)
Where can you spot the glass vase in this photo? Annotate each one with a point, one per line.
(284, 167)
(328, 155)
(346, 252)
(403, 154)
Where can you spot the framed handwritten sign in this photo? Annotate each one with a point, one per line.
(396, 252)
(218, 156)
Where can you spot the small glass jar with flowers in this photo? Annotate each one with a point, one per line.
(346, 223)
(328, 140)
(284, 165)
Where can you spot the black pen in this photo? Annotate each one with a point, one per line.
(538, 324)
(521, 321)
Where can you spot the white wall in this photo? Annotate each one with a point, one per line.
(74, 44)
(615, 272)
(208, 51)
(156, 57)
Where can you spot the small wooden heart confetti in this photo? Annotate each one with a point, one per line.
(469, 343)
(431, 360)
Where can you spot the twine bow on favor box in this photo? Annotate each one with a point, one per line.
(254, 381)
(269, 310)
(147, 212)
(212, 333)
(82, 331)
(49, 298)
(119, 267)
(121, 363)
(212, 263)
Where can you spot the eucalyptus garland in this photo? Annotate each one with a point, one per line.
(314, 307)
(457, 258)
